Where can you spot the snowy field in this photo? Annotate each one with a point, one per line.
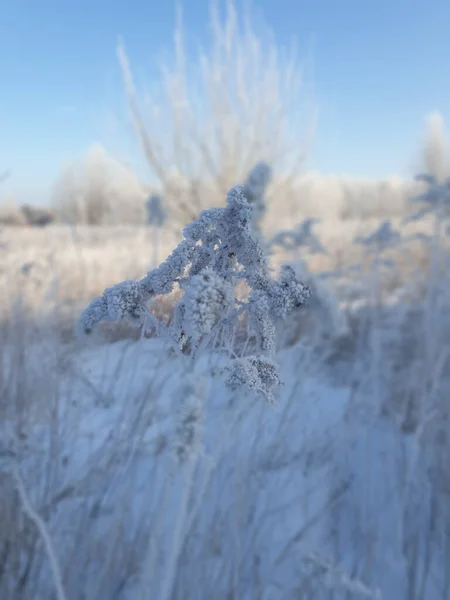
(129, 471)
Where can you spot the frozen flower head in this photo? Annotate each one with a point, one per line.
(238, 240)
(156, 213)
(208, 298)
(287, 294)
(274, 302)
(122, 302)
(260, 322)
(95, 313)
(219, 250)
(257, 374)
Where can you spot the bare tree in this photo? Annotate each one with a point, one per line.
(98, 190)
(435, 150)
(217, 113)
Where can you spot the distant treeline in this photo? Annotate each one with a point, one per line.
(26, 215)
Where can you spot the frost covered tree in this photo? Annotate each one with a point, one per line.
(97, 189)
(210, 117)
(217, 252)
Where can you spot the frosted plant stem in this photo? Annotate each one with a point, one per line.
(43, 531)
(151, 553)
(179, 530)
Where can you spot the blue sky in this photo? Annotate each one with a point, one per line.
(379, 67)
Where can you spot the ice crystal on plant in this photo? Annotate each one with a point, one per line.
(286, 294)
(207, 299)
(258, 374)
(95, 313)
(123, 301)
(260, 322)
(218, 251)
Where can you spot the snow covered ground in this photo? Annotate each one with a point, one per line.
(312, 499)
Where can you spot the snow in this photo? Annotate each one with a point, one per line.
(122, 401)
(318, 493)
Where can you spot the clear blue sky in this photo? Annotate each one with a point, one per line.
(379, 67)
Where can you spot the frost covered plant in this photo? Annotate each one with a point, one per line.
(257, 373)
(254, 187)
(383, 238)
(260, 322)
(123, 302)
(218, 251)
(208, 299)
(301, 237)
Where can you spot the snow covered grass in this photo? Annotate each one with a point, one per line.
(129, 471)
(102, 464)
(331, 492)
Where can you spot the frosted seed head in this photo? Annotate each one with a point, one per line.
(208, 299)
(125, 301)
(95, 313)
(260, 323)
(287, 294)
(257, 374)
